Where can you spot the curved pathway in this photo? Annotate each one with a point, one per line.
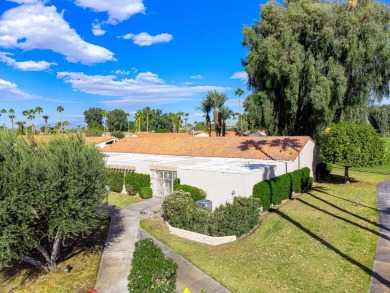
(380, 280)
(116, 259)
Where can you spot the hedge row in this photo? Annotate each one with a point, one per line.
(151, 271)
(275, 190)
(196, 193)
(146, 192)
(323, 170)
(115, 180)
(236, 218)
(135, 181)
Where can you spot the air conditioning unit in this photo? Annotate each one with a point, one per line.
(205, 204)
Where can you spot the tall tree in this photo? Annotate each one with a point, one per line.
(25, 113)
(226, 113)
(60, 109)
(239, 92)
(93, 115)
(3, 112)
(46, 118)
(39, 110)
(12, 117)
(117, 120)
(218, 100)
(311, 63)
(205, 106)
(31, 117)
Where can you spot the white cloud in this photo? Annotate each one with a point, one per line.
(146, 87)
(25, 65)
(187, 83)
(240, 75)
(35, 26)
(9, 91)
(122, 72)
(97, 30)
(144, 39)
(118, 10)
(196, 76)
(25, 1)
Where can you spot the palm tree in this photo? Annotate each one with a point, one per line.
(46, 118)
(12, 117)
(186, 119)
(3, 112)
(65, 123)
(206, 106)
(128, 122)
(226, 113)
(25, 113)
(39, 110)
(179, 114)
(239, 92)
(20, 125)
(31, 117)
(60, 109)
(218, 100)
(138, 116)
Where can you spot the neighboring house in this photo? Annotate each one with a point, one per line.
(223, 167)
(99, 141)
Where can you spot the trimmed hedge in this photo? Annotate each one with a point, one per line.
(275, 190)
(146, 192)
(196, 193)
(262, 191)
(151, 271)
(135, 181)
(323, 170)
(115, 180)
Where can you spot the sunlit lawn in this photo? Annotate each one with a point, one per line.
(122, 200)
(319, 242)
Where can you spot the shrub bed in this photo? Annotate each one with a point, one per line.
(146, 192)
(280, 188)
(115, 180)
(135, 181)
(151, 271)
(195, 192)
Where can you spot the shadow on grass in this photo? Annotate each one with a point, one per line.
(322, 190)
(367, 270)
(348, 212)
(337, 179)
(363, 170)
(344, 219)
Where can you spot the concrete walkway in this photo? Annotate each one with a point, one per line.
(380, 281)
(124, 232)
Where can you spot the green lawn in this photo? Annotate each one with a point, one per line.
(319, 242)
(122, 200)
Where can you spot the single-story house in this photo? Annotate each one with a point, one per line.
(223, 167)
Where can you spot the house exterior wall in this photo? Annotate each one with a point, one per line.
(304, 159)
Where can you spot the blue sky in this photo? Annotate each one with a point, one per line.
(124, 54)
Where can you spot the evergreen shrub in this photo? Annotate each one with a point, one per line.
(115, 180)
(262, 191)
(305, 177)
(151, 271)
(296, 180)
(281, 188)
(196, 193)
(323, 170)
(146, 192)
(118, 134)
(135, 181)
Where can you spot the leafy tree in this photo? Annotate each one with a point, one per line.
(379, 117)
(50, 194)
(352, 145)
(117, 120)
(93, 115)
(311, 63)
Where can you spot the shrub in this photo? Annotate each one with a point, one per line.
(118, 134)
(146, 192)
(151, 271)
(93, 132)
(162, 130)
(310, 183)
(305, 177)
(262, 191)
(296, 180)
(135, 181)
(235, 218)
(281, 188)
(323, 170)
(115, 180)
(196, 193)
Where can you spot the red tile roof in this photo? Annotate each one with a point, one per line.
(266, 148)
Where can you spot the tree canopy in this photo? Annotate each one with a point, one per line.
(93, 115)
(311, 63)
(352, 145)
(50, 193)
(117, 120)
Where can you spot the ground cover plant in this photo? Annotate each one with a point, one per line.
(319, 242)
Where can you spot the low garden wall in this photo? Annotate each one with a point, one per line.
(200, 237)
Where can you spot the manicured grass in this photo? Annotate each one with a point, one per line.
(319, 242)
(22, 278)
(122, 200)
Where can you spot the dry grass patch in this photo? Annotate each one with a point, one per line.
(122, 200)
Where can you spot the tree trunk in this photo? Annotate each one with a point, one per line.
(223, 128)
(36, 263)
(346, 176)
(56, 249)
(44, 253)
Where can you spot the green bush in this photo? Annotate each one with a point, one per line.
(235, 218)
(262, 191)
(135, 181)
(118, 134)
(305, 177)
(162, 130)
(151, 271)
(115, 180)
(296, 180)
(281, 188)
(196, 193)
(310, 183)
(146, 192)
(323, 170)
(94, 132)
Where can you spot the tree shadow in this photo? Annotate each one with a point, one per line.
(364, 170)
(322, 190)
(263, 145)
(337, 179)
(116, 226)
(348, 212)
(367, 270)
